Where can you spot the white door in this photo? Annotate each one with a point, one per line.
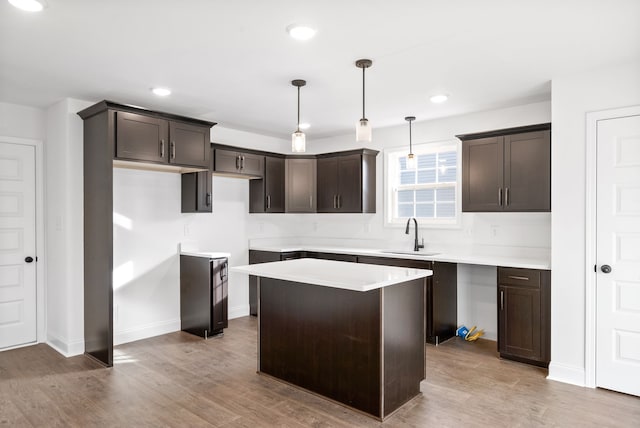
(17, 243)
(618, 255)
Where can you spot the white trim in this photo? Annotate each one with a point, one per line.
(574, 375)
(41, 313)
(592, 120)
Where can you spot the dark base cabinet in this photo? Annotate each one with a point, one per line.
(524, 315)
(362, 349)
(441, 309)
(256, 257)
(203, 295)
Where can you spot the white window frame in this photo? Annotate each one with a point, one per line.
(390, 194)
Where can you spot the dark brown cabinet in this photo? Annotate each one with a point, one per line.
(196, 192)
(255, 257)
(346, 182)
(228, 161)
(203, 295)
(146, 138)
(112, 137)
(339, 257)
(300, 188)
(507, 170)
(441, 310)
(267, 195)
(524, 320)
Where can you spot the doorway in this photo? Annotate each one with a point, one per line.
(614, 286)
(21, 273)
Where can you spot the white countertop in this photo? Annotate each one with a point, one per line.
(206, 254)
(473, 258)
(329, 273)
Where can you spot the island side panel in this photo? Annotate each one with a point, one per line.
(404, 348)
(323, 339)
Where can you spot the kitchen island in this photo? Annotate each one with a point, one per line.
(353, 333)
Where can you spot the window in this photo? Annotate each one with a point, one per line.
(428, 192)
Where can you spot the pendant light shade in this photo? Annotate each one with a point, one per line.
(363, 127)
(298, 139)
(411, 158)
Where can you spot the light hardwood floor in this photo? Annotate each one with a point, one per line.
(181, 380)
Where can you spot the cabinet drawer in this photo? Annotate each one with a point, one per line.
(521, 277)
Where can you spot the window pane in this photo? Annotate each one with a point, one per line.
(407, 177)
(405, 196)
(424, 195)
(426, 161)
(405, 210)
(447, 159)
(447, 194)
(427, 176)
(446, 209)
(424, 210)
(446, 174)
(402, 161)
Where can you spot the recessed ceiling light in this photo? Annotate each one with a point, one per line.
(304, 126)
(300, 32)
(440, 98)
(28, 5)
(161, 92)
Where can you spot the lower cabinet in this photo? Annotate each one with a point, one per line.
(203, 295)
(332, 256)
(441, 309)
(524, 315)
(256, 257)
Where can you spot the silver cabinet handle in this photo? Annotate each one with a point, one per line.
(500, 196)
(242, 162)
(335, 201)
(173, 150)
(310, 201)
(339, 201)
(506, 196)
(162, 148)
(501, 300)
(238, 162)
(521, 278)
(208, 200)
(268, 201)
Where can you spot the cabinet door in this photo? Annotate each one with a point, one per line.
(350, 184)
(219, 305)
(256, 257)
(196, 192)
(189, 145)
(519, 322)
(333, 256)
(226, 161)
(444, 299)
(482, 174)
(300, 185)
(527, 171)
(141, 138)
(327, 185)
(274, 185)
(251, 164)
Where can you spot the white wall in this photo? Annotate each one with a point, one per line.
(22, 121)
(64, 233)
(572, 98)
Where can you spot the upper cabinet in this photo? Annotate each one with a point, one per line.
(235, 162)
(346, 182)
(300, 186)
(267, 195)
(507, 170)
(151, 137)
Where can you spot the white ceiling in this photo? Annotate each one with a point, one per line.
(232, 61)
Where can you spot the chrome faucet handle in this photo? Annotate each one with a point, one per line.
(421, 245)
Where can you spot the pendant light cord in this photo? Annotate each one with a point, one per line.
(298, 124)
(363, 93)
(410, 149)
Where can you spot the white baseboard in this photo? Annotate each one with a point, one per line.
(567, 374)
(145, 331)
(238, 311)
(68, 349)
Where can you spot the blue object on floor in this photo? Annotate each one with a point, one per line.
(462, 331)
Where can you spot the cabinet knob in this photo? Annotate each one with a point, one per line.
(605, 269)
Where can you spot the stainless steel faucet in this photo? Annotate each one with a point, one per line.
(416, 246)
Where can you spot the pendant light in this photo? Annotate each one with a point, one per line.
(411, 158)
(298, 137)
(363, 128)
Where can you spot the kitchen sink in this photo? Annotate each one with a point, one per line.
(409, 252)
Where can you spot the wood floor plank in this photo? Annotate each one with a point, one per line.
(180, 380)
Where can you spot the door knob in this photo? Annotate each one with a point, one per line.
(28, 259)
(605, 268)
